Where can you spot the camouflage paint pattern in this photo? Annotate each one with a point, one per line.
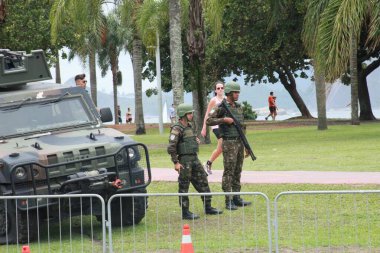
(192, 171)
(53, 141)
(233, 156)
(66, 144)
(233, 150)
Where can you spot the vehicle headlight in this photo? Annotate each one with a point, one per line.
(20, 173)
(131, 153)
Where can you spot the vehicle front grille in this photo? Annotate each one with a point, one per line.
(130, 163)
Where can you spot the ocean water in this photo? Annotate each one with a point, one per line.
(343, 113)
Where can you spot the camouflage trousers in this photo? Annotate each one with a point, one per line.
(193, 172)
(233, 156)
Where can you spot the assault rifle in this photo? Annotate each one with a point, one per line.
(239, 128)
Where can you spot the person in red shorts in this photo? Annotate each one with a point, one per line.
(272, 106)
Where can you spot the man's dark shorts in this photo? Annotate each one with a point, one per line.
(272, 109)
(217, 133)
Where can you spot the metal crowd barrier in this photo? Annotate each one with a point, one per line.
(327, 221)
(25, 220)
(304, 221)
(247, 229)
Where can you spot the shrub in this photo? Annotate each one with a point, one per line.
(248, 113)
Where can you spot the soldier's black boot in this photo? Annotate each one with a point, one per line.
(240, 202)
(187, 215)
(230, 205)
(211, 210)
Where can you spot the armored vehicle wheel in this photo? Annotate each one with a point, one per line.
(10, 226)
(132, 210)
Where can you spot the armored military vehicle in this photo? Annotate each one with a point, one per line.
(53, 142)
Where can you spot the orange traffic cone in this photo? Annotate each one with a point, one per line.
(186, 245)
(25, 249)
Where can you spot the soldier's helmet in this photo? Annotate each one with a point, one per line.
(184, 109)
(231, 86)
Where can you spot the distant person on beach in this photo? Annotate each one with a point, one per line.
(128, 116)
(119, 114)
(215, 101)
(272, 106)
(172, 114)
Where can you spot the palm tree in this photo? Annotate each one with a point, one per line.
(114, 41)
(320, 88)
(57, 68)
(151, 22)
(129, 11)
(176, 51)
(196, 39)
(309, 35)
(86, 17)
(341, 23)
(354, 79)
(339, 30)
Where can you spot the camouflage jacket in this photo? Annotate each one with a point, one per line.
(175, 136)
(217, 115)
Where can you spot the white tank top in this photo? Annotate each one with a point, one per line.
(218, 101)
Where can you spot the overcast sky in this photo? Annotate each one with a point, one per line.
(70, 69)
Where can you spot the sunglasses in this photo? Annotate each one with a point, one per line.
(220, 88)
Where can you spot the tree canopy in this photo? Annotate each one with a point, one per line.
(27, 27)
(249, 46)
(329, 26)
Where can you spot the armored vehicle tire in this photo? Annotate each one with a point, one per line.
(10, 225)
(132, 210)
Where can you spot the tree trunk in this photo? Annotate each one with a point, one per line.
(364, 99)
(93, 83)
(2, 11)
(114, 68)
(354, 80)
(320, 88)
(289, 83)
(199, 98)
(196, 40)
(57, 68)
(176, 51)
(137, 69)
(196, 36)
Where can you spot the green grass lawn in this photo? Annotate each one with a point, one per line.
(340, 148)
(307, 224)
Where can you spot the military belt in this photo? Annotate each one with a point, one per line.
(187, 155)
(231, 138)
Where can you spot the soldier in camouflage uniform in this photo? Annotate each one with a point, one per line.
(233, 148)
(183, 148)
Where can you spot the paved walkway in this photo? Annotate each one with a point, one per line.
(283, 177)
